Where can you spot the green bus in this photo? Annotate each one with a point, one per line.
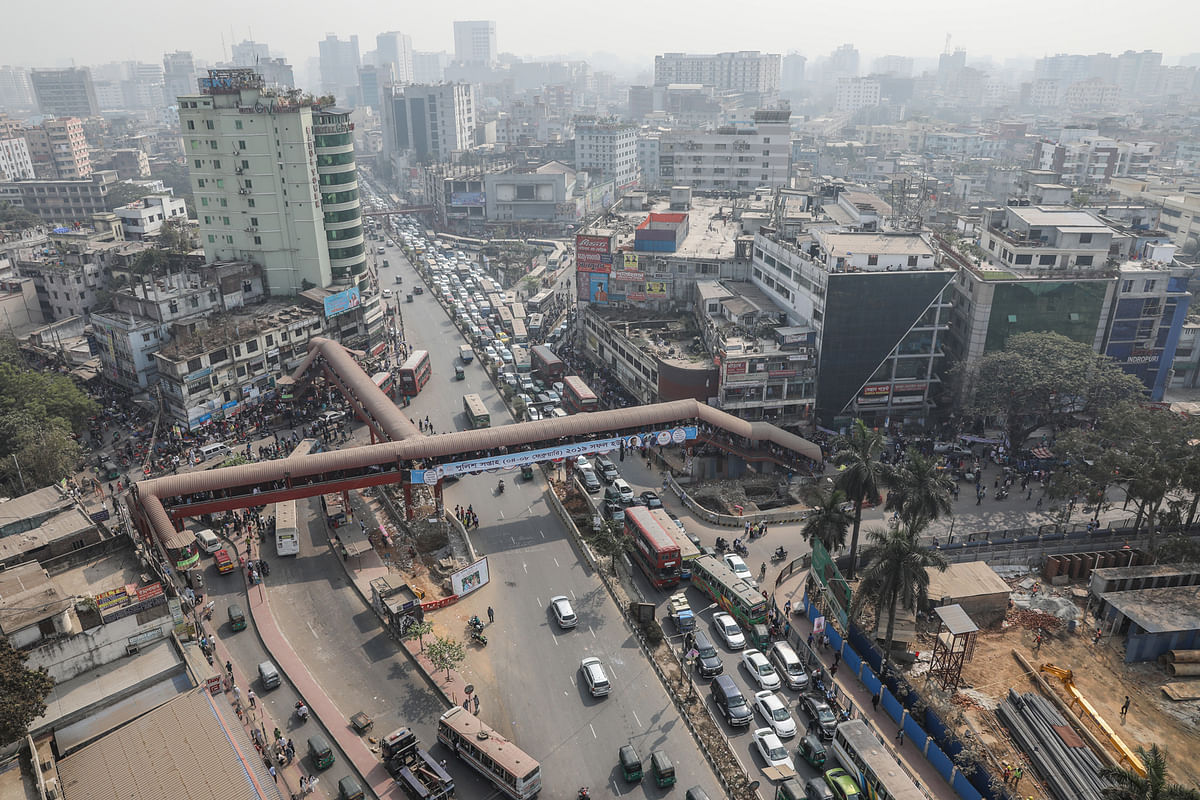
(476, 411)
(737, 597)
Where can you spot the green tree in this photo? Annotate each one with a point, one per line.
(150, 262)
(1043, 379)
(22, 693)
(16, 218)
(1129, 785)
(121, 194)
(39, 451)
(175, 236)
(418, 631)
(446, 653)
(829, 519)
(48, 394)
(862, 475)
(918, 490)
(896, 575)
(610, 542)
(175, 176)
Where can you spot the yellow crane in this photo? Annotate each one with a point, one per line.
(1088, 711)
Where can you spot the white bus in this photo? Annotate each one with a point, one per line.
(287, 535)
(878, 774)
(500, 761)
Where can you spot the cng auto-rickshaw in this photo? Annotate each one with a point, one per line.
(527, 472)
(662, 769)
(631, 763)
(458, 372)
(812, 749)
(790, 789)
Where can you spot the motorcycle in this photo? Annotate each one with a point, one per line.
(722, 545)
(1001, 493)
(476, 623)
(477, 636)
(779, 555)
(583, 793)
(740, 548)
(500, 488)
(302, 711)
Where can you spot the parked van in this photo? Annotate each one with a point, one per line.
(208, 540)
(788, 664)
(216, 450)
(319, 752)
(268, 675)
(731, 701)
(624, 490)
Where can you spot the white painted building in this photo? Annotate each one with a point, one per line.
(743, 71)
(608, 146)
(853, 94)
(737, 158)
(144, 218)
(431, 121)
(15, 163)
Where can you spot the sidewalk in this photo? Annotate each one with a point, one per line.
(917, 766)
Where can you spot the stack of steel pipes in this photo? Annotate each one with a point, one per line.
(1071, 773)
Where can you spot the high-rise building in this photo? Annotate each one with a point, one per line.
(339, 68)
(430, 67)
(248, 53)
(895, 66)
(15, 162)
(59, 149)
(842, 63)
(260, 195)
(1137, 74)
(395, 48)
(743, 71)
(475, 42)
(609, 147)
(65, 92)
(431, 121)
(179, 74)
(16, 92)
(853, 94)
(793, 72)
(371, 80)
(732, 158)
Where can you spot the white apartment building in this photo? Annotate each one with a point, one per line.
(649, 148)
(431, 121)
(1045, 238)
(395, 48)
(144, 218)
(254, 177)
(1093, 159)
(475, 42)
(853, 94)
(733, 158)
(15, 163)
(608, 146)
(743, 71)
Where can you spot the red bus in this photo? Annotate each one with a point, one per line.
(385, 382)
(654, 549)
(414, 373)
(546, 365)
(578, 396)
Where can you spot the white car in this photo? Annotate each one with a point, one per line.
(772, 750)
(775, 714)
(735, 563)
(490, 352)
(593, 674)
(564, 615)
(729, 630)
(760, 669)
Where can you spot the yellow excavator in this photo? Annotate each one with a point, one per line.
(1088, 711)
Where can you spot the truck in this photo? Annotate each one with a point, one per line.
(681, 613)
(418, 773)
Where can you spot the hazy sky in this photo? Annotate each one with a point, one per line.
(92, 31)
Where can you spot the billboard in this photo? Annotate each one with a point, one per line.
(598, 289)
(631, 262)
(342, 302)
(470, 578)
(477, 199)
(656, 289)
(593, 253)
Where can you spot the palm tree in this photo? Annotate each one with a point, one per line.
(896, 575)
(863, 475)
(918, 490)
(829, 519)
(1128, 785)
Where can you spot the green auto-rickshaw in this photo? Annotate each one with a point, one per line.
(631, 763)
(662, 768)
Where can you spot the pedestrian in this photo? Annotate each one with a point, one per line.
(303, 784)
(900, 736)
(787, 608)
(274, 774)
(810, 639)
(1125, 708)
(875, 701)
(229, 668)
(833, 671)
(1005, 772)
(491, 615)
(237, 695)
(466, 704)
(250, 696)
(837, 656)
(476, 703)
(1096, 638)
(1017, 773)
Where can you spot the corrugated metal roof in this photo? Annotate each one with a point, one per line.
(182, 749)
(179, 539)
(956, 619)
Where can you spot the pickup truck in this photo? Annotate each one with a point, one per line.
(420, 775)
(681, 613)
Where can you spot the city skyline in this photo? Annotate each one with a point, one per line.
(631, 34)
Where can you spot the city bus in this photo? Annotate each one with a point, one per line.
(385, 382)
(546, 365)
(518, 331)
(535, 325)
(741, 600)
(495, 301)
(414, 373)
(287, 534)
(540, 303)
(506, 319)
(500, 761)
(579, 397)
(518, 311)
(869, 761)
(688, 551)
(476, 411)
(654, 549)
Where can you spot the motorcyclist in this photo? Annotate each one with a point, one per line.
(780, 552)
(301, 710)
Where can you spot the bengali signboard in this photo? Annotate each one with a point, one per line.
(593, 253)
(128, 600)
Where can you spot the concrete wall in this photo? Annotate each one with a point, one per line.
(72, 656)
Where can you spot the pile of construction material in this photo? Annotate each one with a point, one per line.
(1181, 663)
(1066, 765)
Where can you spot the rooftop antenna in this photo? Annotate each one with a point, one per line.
(948, 37)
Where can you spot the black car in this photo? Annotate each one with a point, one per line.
(819, 712)
(651, 499)
(708, 662)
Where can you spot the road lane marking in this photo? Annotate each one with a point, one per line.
(501, 514)
(311, 628)
(542, 532)
(593, 730)
(591, 631)
(556, 563)
(635, 718)
(525, 567)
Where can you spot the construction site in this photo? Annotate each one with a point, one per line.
(1084, 666)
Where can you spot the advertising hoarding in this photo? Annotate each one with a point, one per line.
(342, 302)
(470, 578)
(598, 289)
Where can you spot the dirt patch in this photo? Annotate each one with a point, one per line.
(1100, 674)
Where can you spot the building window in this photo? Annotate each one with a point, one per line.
(912, 261)
(191, 126)
(198, 163)
(237, 123)
(249, 183)
(242, 146)
(872, 261)
(250, 203)
(258, 240)
(1149, 286)
(1046, 261)
(1085, 238)
(1127, 286)
(1083, 261)
(216, 163)
(211, 239)
(254, 221)
(208, 123)
(212, 144)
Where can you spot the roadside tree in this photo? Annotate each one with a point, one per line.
(896, 575)
(22, 693)
(862, 476)
(918, 490)
(1129, 785)
(829, 519)
(446, 653)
